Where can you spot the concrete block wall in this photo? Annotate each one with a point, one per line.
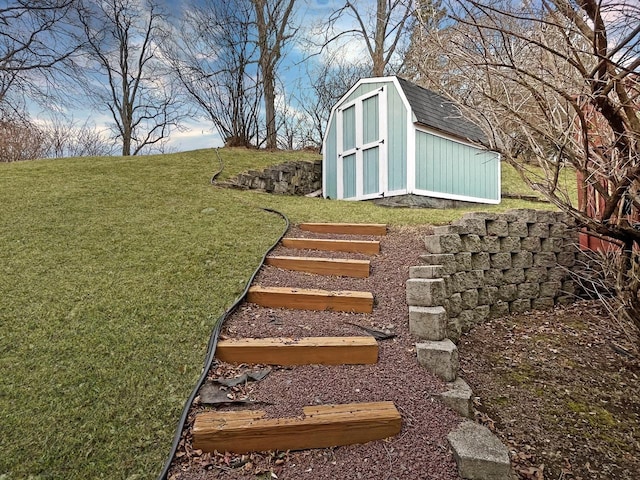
(291, 178)
(487, 265)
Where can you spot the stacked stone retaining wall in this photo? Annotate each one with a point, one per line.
(291, 178)
(488, 265)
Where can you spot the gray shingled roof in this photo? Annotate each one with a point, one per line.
(435, 111)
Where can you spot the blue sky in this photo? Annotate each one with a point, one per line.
(293, 72)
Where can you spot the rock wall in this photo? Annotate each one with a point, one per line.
(291, 178)
(489, 265)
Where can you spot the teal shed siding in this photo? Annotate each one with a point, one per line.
(371, 167)
(349, 176)
(453, 168)
(397, 141)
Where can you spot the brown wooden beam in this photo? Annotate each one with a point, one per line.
(370, 247)
(311, 299)
(302, 351)
(322, 426)
(346, 228)
(322, 266)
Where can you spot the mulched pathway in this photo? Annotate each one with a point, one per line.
(419, 451)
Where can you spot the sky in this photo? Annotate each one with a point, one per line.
(293, 71)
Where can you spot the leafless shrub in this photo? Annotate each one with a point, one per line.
(20, 139)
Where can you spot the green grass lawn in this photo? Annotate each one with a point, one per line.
(112, 274)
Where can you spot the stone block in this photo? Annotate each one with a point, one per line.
(469, 299)
(448, 229)
(491, 244)
(539, 230)
(487, 295)
(528, 290)
(425, 292)
(458, 397)
(463, 259)
(510, 244)
(481, 314)
(500, 261)
(426, 271)
(429, 323)
(568, 287)
(513, 275)
(454, 305)
(509, 217)
(478, 453)
(499, 309)
(557, 230)
(476, 226)
(480, 216)
(552, 244)
(440, 358)
(550, 289)
(565, 299)
(531, 244)
(471, 243)
(536, 274)
(518, 229)
(449, 243)
(452, 283)
(546, 216)
(566, 259)
(542, 303)
(446, 260)
(467, 320)
(493, 277)
(507, 293)
(480, 261)
(567, 219)
(522, 259)
(454, 329)
(474, 279)
(520, 305)
(524, 214)
(499, 228)
(545, 259)
(556, 274)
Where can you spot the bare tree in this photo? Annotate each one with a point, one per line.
(215, 60)
(274, 30)
(557, 81)
(123, 40)
(36, 48)
(382, 29)
(329, 81)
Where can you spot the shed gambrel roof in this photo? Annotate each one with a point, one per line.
(437, 112)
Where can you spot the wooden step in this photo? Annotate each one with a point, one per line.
(322, 426)
(322, 266)
(370, 247)
(346, 228)
(302, 351)
(311, 299)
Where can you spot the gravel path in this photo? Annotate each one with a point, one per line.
(420, 451)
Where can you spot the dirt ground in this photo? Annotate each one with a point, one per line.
(561, 389)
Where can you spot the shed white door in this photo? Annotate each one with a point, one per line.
(362, 159)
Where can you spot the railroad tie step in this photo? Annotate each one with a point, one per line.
(367, 247)
(311, 299)
(299, 351)
(346, 228)
(321, 426)
(322, 266)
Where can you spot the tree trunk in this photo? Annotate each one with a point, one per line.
(270, 108)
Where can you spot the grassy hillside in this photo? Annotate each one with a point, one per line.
(112, 274)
